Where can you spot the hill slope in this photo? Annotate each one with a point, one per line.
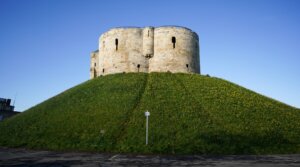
(189, 114)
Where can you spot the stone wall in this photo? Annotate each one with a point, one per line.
(175, 50)
(94, 66)
(149, 49)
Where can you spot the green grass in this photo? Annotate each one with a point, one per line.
(190, 114)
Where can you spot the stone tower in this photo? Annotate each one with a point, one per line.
(149, 49)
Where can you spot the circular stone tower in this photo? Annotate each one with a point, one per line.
(176, 49)
(149, 49)
(120, 51)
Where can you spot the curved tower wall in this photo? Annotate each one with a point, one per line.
(121, 51)
(175, 50)
(149, 49)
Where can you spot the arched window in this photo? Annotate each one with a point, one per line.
(116, 42)
(173, 41)
(103, 70)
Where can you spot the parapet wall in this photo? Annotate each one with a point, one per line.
(149, 49)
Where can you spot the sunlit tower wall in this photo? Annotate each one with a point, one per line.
(176, 49)
(120, 51)
(94, 66)
(149, 49)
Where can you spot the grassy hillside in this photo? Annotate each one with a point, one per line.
(189, 114)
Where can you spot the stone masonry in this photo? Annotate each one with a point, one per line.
(162, 49)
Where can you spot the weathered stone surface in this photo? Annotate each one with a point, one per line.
(149, 49)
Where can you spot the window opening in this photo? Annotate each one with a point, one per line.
(138, 66)
(173, 41)
(187, 66)
(116, 42)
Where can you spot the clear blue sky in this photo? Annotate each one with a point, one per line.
(45, 44)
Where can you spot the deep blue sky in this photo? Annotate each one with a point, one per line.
(45, 44)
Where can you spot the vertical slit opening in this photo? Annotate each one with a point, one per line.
(116, 42)
(173, 41)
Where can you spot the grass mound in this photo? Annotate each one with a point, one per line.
(189, 114)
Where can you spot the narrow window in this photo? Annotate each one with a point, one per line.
(103, 70)
(173, 41)
(148, 33)
(138, 66)
(116, 42)
(95, 64)
(187, 66)
(103, 44)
